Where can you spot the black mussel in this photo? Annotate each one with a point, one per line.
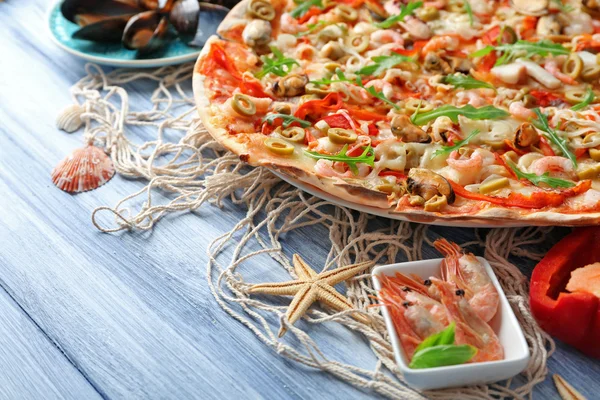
(107, 30)
(209, 19)
(164, 6)
(85, 12)
(184, 17)
(146, 32)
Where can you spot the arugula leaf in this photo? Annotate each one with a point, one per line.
(441, 355)
(338, 72)
(304, 6)
(452, 112)
(312, 28)
(445, 336)
(522, 48)
(405, 11)
(367, 157)
(373, 92)
(278, 65)
(566, 8)
(587, 100)
(469, 11)
(383, 63)
(287, 120)
(455, 146)
(466, 82)
(537, 179)
(552, 135)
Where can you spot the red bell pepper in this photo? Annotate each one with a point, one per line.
(337, 121)
(217, 59)
(545, 147)
(545, 98)
(318, 107)
(536, 200)
(573, 318)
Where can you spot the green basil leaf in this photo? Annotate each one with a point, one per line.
(452, 112)
(442, 355)
(466, 82)
(537, 179)
(445, 336)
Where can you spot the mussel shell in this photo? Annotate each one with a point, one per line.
(164, 6)
(209, 19)
(146, 32)
(184, 17)
(71, 9)
(107, 30)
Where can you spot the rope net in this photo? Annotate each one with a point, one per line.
(195, 170)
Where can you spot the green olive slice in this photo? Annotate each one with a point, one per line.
(589, 173)
(573, 66)
(341, 136)
(331, 66)
(417, 105)
(388, 187)
(493, 185)
(294, 134)
(591, 137)
(278, 146)
(457, 7)
(591, 73)
(243, 105)
(346, 13)
(283, 108)
(311, 88)
(575, 96)
(427, 13)
(358, 42)
(261, 9)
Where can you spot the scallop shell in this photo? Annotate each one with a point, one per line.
(85, 169)
(69, 120)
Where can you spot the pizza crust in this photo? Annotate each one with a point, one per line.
(492, 215)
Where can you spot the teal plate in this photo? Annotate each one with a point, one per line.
(175, 52)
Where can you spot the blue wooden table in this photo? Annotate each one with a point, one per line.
(85, 315)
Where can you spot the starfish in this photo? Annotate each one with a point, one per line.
(311, 287)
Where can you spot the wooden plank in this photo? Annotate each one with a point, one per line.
(32, 366)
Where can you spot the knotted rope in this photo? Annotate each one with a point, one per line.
(194, 170)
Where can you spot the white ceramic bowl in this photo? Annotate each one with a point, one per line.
(505, 324)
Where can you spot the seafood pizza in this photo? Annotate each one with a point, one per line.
(467, 110)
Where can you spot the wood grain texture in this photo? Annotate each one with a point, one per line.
(131, 313)
(32, 366)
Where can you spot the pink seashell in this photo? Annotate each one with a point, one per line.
(85, 169)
